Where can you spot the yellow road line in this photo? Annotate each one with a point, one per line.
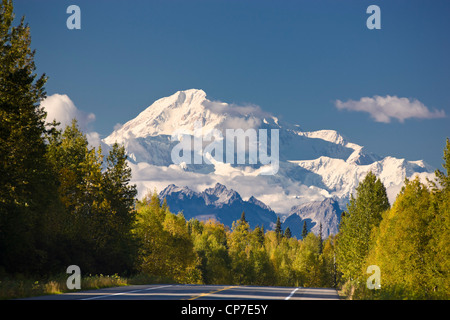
(212, 292)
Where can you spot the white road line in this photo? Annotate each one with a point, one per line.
(126, 292)
(292, 293)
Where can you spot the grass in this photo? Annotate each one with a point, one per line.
(21, 287)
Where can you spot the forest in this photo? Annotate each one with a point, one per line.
(408, 241)
(62, 202)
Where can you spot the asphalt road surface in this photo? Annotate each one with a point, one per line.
(197, 292)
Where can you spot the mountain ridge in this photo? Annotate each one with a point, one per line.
(218, 203)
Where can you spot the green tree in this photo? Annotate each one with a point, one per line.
(363, 214)
(239, 252)
(26, 187)
(259, 234)
(166, 247)
(439, 245)
(411, 244)
(401, 248)
(320, 239)
(118, 212)
(443, 178)
(79, 179)
(278, 229)
(308, 262)
(210, 243)
(97, 203)
(288, 233)
(304, 230)
(242, 219)
(263, 273)
(329, 273)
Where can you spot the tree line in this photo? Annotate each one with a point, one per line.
(211, 253)
(409, 241)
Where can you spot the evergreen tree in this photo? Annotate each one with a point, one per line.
(117, 213)
(278, 229)
(26, 186)
(78, 169)
(288, 233)
(97, 203)
(243, 217)
(259, 233)
(304, 230)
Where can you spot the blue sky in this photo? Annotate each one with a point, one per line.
(295, 59)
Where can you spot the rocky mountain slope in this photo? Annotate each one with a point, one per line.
(218, 203)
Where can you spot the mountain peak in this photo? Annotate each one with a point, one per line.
(165, 116)
(173, 189)
(221, 194)
(183, 96)
(218, 188)
(192, 92)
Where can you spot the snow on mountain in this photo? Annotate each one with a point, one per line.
(166, 115)
(340, 177)
(313, 165)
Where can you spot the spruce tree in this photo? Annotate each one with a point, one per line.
(278, 229)
(259, 234)
(287, 233)
(243, 217)
(26, 188)
(304, 230)
(119, 213)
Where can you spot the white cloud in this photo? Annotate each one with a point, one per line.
(62, 108)
(234, 109)
(383, 109)
(238, 117)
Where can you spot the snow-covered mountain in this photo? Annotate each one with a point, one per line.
(313, 166)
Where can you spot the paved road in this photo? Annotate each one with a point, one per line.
(198, 292)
